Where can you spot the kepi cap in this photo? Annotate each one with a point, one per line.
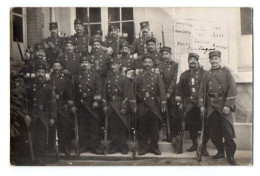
(166, 48)
(194, 55)
(144, 24)
(53, 25)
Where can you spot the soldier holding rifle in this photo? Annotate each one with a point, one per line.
(187, 100)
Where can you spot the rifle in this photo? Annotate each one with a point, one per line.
(134, 128)
(179, 140)
(20, 50)
(168, 125)
(108, 29)
(76, 123)
(163, 40)
(56, 143)
(201, 133)
(106, 133)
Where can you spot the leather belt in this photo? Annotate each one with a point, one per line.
(215, 95)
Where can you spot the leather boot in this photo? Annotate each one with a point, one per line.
(232, 160)
(193, 147)
(204, 150)
(219, 155)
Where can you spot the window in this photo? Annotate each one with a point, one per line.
(17, 24)
(246, 21)
(94, 17)
(124, 18)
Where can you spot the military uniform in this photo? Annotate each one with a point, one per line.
(115, 97)
(150, 97)
(71, 62)
(88, 90)
(168, 71)
(42, 108)
(221, 91)
(187, 93)
(54, 52)
(63, 91)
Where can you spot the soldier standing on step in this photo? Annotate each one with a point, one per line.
(221, 95)
(187, 100)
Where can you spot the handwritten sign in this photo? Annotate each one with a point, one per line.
(201, 38)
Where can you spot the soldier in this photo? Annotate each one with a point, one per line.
(151, 101)
(139, 44)
(113, 42)
(221, 95)
(63, 91)
(80, 39)
(88, 96)
(151, 49)
(54, 44)
(115, 102)
(42, 110)
(126, 61)
(70, 59)
(187, 99)
(168, 70)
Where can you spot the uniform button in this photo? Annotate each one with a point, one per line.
(80, 90)
(34, 99)
(79, 85)
(211, 99)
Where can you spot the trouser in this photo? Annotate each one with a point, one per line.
(174, 118)
(118, 131)
(39, 138)
(220, 128)
(88, 130)
(65, 131)
(148, 134)
(194, 124)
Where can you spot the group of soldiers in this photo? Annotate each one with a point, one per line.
(112, 87)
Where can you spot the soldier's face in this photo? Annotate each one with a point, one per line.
(151, 46)
(40, 74)
(114, 32)
(148, 63)
(85, 65)
(125, 50)
(57, 67)
(166, 55)
(40, 54)
(54, 31)
(145, 30)
(115, 67)
(193, 62)
(215, 61)
(96, 46)
(79, 28)
(70, 47)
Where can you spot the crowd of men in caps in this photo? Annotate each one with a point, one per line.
(134, 86)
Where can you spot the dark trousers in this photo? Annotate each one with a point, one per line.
(174, 118)
(194, 124)
(39, 138)
(220, 128)
(118, 132)
(88, 130)
(148, 134)
(65, 131)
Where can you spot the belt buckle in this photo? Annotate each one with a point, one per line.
(113, 98)
(146, 95)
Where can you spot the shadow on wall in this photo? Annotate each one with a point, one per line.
(244, 103)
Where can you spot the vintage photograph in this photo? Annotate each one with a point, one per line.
(131, 86)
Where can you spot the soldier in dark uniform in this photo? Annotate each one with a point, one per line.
(168, 70)
(88, 98)
(126, 61)
(63, 91)
(187, 100)
(113, 42)
(70, 59)
(54, 44)
(151, 101)
(221, 95)
(115, 102)
(42, 110)
(139, 44)
(80, 39)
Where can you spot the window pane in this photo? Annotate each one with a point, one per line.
(114, 12)
(82, 13)
(128, 27)
(246, 21)
(18, 10)
(17, 28)
(127, 14)
(94, 27)
(95, 15)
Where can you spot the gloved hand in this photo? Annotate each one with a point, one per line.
(27, 120)
(95, 104)
(73, 109)
(168, 95)
(226, 110)
(105, 108)
(180, 106)
(123, 111)
(51, 122)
